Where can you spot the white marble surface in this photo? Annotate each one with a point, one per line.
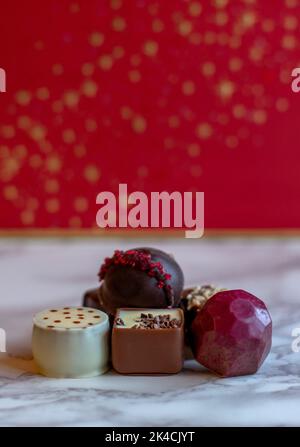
(39, 273)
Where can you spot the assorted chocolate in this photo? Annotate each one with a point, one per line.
(148, 341)
(71, 342)
(141, 314)
(141, 277)
(232, 334)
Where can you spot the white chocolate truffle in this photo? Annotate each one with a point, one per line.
(71, 342)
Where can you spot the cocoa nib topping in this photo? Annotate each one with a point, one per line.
(119, 322)
(148, 321)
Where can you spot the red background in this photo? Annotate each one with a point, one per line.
(169, 95)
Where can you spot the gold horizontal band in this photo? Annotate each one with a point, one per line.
(144, 233)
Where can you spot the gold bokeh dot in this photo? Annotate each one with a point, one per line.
(173, 121)
(68, 136)
(289, 42)
(118, 24)
(87, 69)
(268, 25)
(52, 205)
(35, 161)
(39, 45)
(195, 9)
(220, 3)
(115, 4)
(53, 163)
(51, 186)
(24, 122)
(89, 88)
(91, 125)
(204, 130)
(92, 173)
(139, 124)
(79, 150)
(290, 23)
(210, 37)
(27, 217)
(23, 97)
(282, 105)
(126, 113)
(96, 39)
(185, 27)
(8, 131)
(150, 48)
(195, 38)
(45, 146)
(106, 62)
(226, 89)
(4, 151)
(208, 69)
(10, 168)
(256, 53)
(42, 93)
(259, 116)
(118, 52)
(57, 69)
(74, 8)
(248, 19)
(223, 119)
(221, 18)
(235, 64)
(75, 222)
(239, 111)
(231, 141)
(134, 76)
(81, 204)
(38, 132)
(135, 60)
(10, 192)
(71, 98)
(193, 149)
(32, 203)
(157, 26)
(188, 88)
(291, 3)
(20, 151)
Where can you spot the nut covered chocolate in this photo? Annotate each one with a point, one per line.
(148, 341)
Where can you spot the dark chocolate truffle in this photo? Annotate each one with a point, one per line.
(141, 277)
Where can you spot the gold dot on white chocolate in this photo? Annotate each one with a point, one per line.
(68, 318)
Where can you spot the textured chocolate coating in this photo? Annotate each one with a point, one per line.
(148, 351)
(125, 286)
(91, 299)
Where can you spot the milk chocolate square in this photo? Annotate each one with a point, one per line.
(148, 341)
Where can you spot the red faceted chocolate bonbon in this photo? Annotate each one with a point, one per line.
(232, 334)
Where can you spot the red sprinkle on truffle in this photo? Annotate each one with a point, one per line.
(140, 260)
